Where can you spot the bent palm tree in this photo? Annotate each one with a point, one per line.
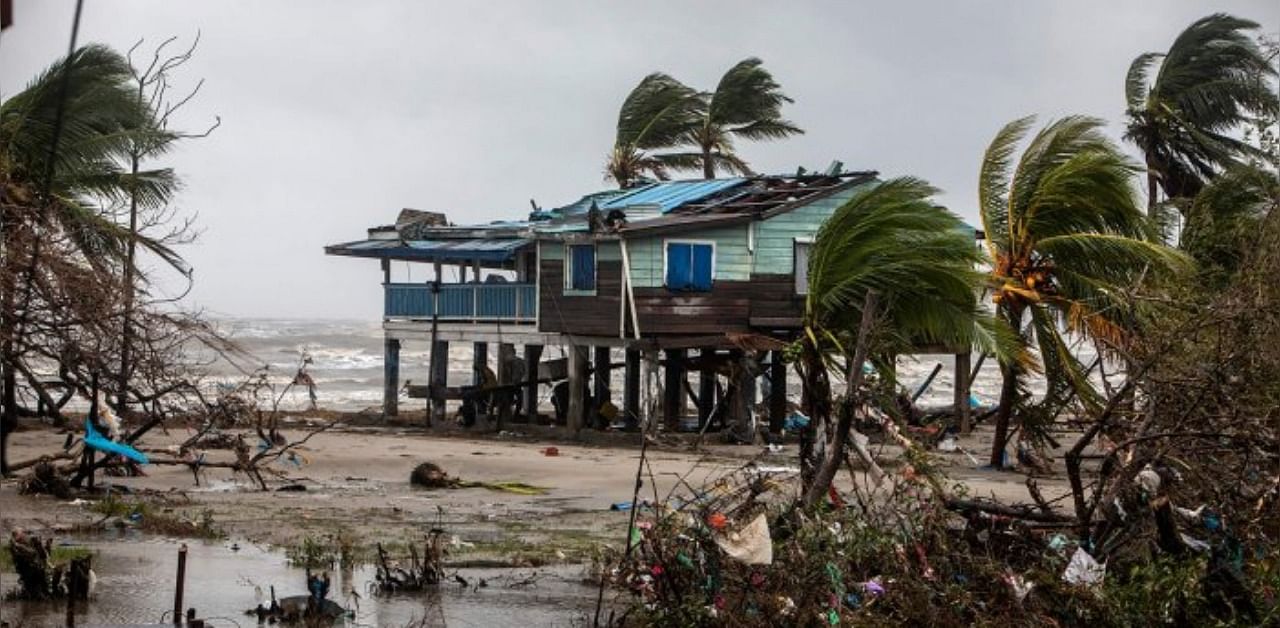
(102, 124)
(746, 104)
(657, 114)
(88, 104)
(890, 269)
(1206, 86)
(1066, 237)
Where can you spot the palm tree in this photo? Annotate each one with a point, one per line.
(657, 114)
(662, 113)
(890, 269)
(1066, 237)
(66, 187)
(1206, 87)
(746, 104)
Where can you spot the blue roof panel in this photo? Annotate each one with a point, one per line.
(670, 195)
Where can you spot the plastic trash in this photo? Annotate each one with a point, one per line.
(95, 440)
(1148, 480)
(1021, 588)
(795, 422)
(1057, 542)
(752, 545)
(873, 587)
(1084, 569)
(948, 445)
(551, 452)
(1194, 543)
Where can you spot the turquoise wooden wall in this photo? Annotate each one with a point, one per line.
(732, 260)
(774, 241)
(775, 237)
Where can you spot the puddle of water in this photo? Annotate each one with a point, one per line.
(136, 582)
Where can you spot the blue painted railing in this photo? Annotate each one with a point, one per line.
(515, 302)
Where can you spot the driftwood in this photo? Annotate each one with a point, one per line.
(39, 577)
(423, 571)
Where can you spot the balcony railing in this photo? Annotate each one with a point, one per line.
(508, 302)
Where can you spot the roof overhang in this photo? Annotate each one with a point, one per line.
(490, 250)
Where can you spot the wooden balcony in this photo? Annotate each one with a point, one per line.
(470, 302)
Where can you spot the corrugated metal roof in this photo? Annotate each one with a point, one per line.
(459, 250)
(671, 194)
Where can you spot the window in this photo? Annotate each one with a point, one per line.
(690, 266)
(580, 267)
(802, 266)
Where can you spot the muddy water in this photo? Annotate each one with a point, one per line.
(135, 585)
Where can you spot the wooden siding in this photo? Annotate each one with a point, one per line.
(732, 262)
(580, 315)
(776, 236)
(730, 306)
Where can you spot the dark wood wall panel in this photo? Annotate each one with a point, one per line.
(582, 315)
(729, 307)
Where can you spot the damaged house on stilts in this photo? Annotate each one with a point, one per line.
(683, 281)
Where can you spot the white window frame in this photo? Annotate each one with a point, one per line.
(568, 269)
(800, 289)
(666, 242)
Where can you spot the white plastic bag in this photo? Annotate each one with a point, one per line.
(1083, 569)
(752, 545)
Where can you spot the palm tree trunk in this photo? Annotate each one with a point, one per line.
(708, 164)
(853, 383)
(1008, 392)
(9, 394)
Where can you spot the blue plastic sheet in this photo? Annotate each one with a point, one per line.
(95, 440)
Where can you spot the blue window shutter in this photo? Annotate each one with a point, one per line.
(700, 278)
(584, 266)
(679, 266)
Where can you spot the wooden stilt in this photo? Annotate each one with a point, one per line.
(673, 389)
(532, 356)
(739, 396)
(777, 392)
(962, 391)
(391, 377)
(577, 388)
(439, 378)
(603, 370)
(479, 362)
(706, 388)
(631, 388)
(506, 400)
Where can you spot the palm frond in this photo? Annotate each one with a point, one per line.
(993, 183)
(660, 112)
(1136, 81)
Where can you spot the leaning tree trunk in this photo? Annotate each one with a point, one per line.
(1008, 392)
(853, 384)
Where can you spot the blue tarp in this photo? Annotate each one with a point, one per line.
(689, 267)
(95, 440)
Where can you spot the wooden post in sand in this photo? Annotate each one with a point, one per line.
(777, 392)
(391, 377)
(631, 388)
(577, 388)
(673, 389)
(601, 382)
(532, 355)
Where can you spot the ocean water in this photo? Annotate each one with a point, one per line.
(347, 358)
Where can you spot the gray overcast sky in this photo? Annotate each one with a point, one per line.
(337, 114)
